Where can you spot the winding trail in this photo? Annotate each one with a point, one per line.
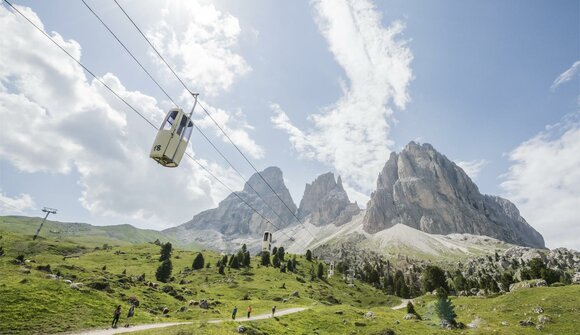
(403, 304)
(111, 331)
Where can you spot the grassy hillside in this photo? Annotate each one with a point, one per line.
(34, 303)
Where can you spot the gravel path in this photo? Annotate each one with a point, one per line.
(403, 304)
(240, 318)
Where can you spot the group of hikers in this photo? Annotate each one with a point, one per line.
(249, 310)
(117, 315)
(131, 313)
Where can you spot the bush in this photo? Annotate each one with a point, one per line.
(265, 258)
(320, 272)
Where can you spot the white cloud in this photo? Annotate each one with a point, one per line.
(567, 75)
(18, 204)
(54, 120)
(544, 182)
(472, 168)
(352, 135)
(198, 40)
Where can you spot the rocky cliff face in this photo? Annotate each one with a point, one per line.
(325, 201)
(233, 218)
(421, 188)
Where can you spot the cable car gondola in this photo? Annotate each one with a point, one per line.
(173, 137)
(267, 241)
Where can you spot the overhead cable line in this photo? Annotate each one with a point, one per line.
(129, 52)
(143, 117)
(212, 119)
(169, 97)
(80, 64)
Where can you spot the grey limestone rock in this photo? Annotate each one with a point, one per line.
(423, 189)
(326, 201)
(233, 218)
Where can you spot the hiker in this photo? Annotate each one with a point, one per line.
(130, 315)
(116, 316)
(273, 310)
(249, 311)
(234, 312)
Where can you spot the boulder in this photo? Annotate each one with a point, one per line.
(526, 323)
(76, 286)
(411, 316)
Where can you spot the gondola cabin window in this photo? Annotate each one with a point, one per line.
(267, 242)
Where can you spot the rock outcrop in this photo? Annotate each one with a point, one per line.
(325, 201)
(234, 218)
(421, 188)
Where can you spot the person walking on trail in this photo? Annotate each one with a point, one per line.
(116, 316)
(130, 315)
(249, 311)
(273, 310)
(234, 312)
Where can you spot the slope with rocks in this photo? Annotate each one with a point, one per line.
(233, 219)
(325, 201)
(423, 189)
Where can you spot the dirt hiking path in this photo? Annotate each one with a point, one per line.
(240, 318)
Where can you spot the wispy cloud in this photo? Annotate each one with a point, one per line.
(567, 75)
(544, 182)
(472, 168)
(352, 135)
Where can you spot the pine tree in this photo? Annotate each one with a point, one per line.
(235, 263)
(221, 269)
(283, 268)
(164, 271)
(244, 248)
(320, 272)
(265, 258)
(444, 308)
(433, 278)
(247, 259)
(308, 255)
(280, 253)
(198, 262)
(275, 261)
(274, 250)
(165, 251)
(290, 266)
(225, 260)
(411, 308)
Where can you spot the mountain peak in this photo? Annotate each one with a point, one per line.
(325, 201)
(423, 189)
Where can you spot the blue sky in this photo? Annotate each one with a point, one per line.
(309, 86)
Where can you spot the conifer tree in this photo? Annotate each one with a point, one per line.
(320, 272)
(198, 262)
(280, 253)
(221, 269)
(308, 255)
(165, 251)
(164, 270)
(265, 258)
(235, 263)
(275, 261)
(444, 308)
(274, 250)
(247, 259)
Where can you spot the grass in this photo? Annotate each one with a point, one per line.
(32, 303)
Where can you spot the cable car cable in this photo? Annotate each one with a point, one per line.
(80, 64)
(141, 115)
(169, 97)
(129, 52)
(213, 120)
